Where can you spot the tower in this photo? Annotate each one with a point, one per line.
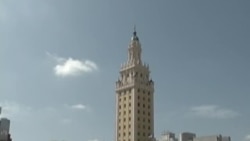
(134, 97)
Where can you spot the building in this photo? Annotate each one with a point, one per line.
(209, 138)
(168, 136)
(5, 137)
(4, 129)
(4, 125)
(187, 136)
(226, 138)
(134, 98)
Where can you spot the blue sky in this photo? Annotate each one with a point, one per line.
(60, 59)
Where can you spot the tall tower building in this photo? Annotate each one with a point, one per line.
(134, 97)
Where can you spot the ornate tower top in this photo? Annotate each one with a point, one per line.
(134, 51)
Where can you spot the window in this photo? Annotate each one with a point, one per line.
(129, 111)
(148, 120)
(144, 134)
(143, 119)
(124, 112)
(129, 126)
(129, 133)
(124, 119)
(143, 106)
(138, 97)
(124, 134)
(148, 113)
(138, 104)
(124, 105)
(119, 127)
(148, 99)
(138, 90)
(119, 134)
(148, 106)
(143, 92)
(143, 112)
(148, 127)
(138, 111)
(119, 106)
(143, 98)
(141, 74)
(138, 133)
(129, 97)
(138, 118)
(129, 104)
(124, 98)
(129, 118)
(143, 126)
(148, 93)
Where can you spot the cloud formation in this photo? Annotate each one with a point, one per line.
(79, 107)
(94, 140)
(72, 67)
(213, 111)
(247, 138)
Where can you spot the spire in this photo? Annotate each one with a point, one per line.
(134, 30)
(135, 37)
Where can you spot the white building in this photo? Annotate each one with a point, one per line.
(209, 138)
(168, 136)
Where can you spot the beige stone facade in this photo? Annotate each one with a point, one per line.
(134, 98)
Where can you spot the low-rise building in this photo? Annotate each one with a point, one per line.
(168, 136)
(209, 138)
(187, 136)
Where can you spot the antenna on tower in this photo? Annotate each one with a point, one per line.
(134, 29)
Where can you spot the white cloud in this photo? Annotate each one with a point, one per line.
(78, 106)
(94, 140)
(72, 67)
(213, 111)
(247, 138)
